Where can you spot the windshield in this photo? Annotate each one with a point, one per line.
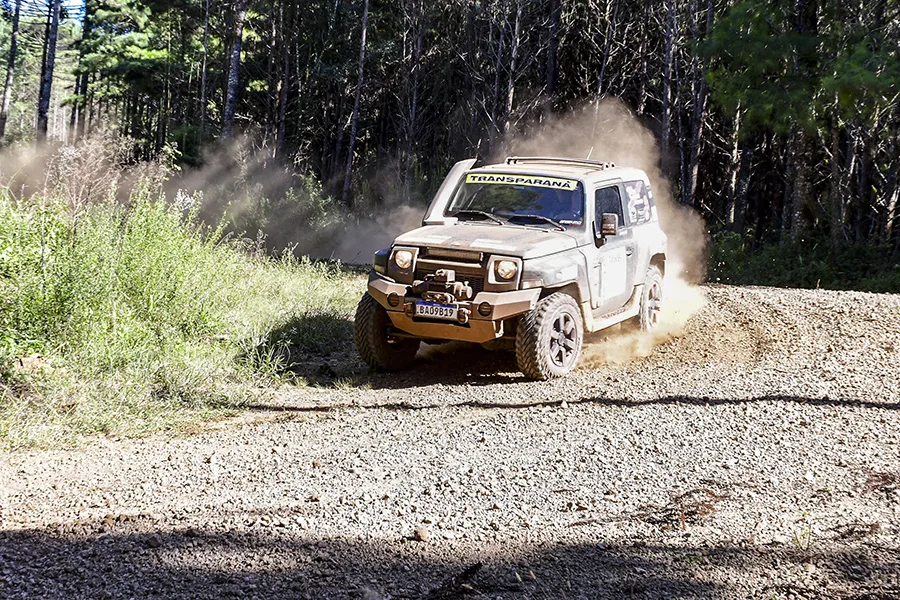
(521, 199)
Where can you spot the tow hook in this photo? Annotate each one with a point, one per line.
(462, 315)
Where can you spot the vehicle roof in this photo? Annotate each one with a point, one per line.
(552, 166)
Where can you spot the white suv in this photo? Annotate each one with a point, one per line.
(531, 253)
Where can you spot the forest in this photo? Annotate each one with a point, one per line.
(777, 120)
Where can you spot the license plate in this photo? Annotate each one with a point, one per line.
(432, 310)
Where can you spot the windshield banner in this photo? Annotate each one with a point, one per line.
(529, 180)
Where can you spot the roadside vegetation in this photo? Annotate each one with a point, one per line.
(809, 263)
(125, 317)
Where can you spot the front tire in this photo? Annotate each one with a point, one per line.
(548, 339)
(379, 350)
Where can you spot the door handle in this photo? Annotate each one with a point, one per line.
(629, 250)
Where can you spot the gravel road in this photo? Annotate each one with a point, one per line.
(753, 454)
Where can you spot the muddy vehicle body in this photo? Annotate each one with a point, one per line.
(529, 254)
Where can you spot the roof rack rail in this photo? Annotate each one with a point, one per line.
(512, 160)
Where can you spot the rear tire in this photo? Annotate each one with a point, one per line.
(651, 299)
(548, 339)
(378, 349)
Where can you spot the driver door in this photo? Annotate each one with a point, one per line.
(611, 264)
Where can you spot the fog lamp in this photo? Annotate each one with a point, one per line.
(484, 309)
(393, 299)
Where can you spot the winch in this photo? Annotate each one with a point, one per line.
(442, 288)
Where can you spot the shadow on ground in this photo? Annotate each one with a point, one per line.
(450, 363)
(598, 401)
(318, 349)
(317, 364)
(111, 560)
(304, 344)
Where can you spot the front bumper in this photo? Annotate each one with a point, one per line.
(478, 329)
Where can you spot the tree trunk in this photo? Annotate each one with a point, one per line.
(607, 46)
(10, 69)
(203, 69)
(838, 191)
(471, 67)
(864, 185)
(513, 56)
(411, 125)
(231, 92)
(284, 85)
(337, 164)
(735, 169)
(743, 185)
(667, 82)
(90, 119)
(177, 115)
(165, 107)
(77, 117)
(801, 144)
(47, 74)
(498, 62)
(801, 196)
(681, 140)
(354, 119)
(698, 89)
(272, 79)
(642, 93)
(893, 214)
(552, 52)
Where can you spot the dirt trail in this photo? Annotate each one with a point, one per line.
(756, 453)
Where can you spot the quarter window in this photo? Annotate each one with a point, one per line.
(639, 201)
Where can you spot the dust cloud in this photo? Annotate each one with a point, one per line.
(620, 345)
(76, 175)
(288, 209)
(363, 237)
(609, 131)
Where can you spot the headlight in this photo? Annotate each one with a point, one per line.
(506, 269)
(403, 259)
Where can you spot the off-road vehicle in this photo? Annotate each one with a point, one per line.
(530, 253)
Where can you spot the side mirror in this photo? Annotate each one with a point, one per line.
(609, 224)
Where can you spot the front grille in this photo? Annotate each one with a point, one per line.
(476, 282)
(453, 254)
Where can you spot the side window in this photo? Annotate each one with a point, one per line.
(607, 200)
(639, 201)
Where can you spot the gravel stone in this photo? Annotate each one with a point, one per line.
(421, 534)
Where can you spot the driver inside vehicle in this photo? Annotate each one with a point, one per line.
(561, 206)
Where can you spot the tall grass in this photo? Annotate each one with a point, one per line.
(130, 317)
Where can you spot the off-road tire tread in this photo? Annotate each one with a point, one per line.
(369, 333)
(653, 273)
(531, 358)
